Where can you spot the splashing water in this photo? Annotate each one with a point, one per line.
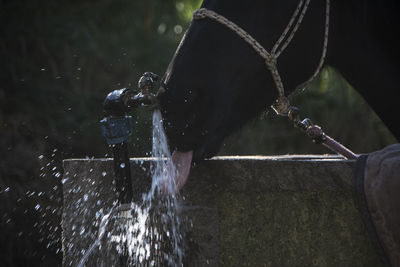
(148, 234)
(153, 234)
(102, 230)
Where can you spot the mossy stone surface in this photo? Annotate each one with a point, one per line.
(244, 211)
(292, 229)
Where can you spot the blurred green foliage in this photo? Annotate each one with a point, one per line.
(59, 59)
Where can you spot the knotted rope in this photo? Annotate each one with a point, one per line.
(281, 105)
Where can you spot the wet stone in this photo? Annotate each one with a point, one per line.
(242, 211)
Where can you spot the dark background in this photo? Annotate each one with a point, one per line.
(59, 59)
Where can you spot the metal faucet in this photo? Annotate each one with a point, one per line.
(117, 128)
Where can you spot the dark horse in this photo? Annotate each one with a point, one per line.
(216, 81)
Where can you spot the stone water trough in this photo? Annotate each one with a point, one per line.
(246, 210)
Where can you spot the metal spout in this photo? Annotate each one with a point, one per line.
(117, 129)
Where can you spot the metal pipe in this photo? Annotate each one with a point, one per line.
(117, 129)
(122, 171)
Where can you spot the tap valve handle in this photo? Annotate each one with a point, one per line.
(146, 82)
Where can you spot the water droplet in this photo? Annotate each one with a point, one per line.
(85, 197)
(37, 207)
(41, 156)
(122, 165)
(7, 189)
(103, 174)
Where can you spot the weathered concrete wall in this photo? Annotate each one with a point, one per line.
(246, 211)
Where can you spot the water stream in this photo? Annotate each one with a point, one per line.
(147, 233)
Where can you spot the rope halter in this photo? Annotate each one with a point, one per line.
(281, 105)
